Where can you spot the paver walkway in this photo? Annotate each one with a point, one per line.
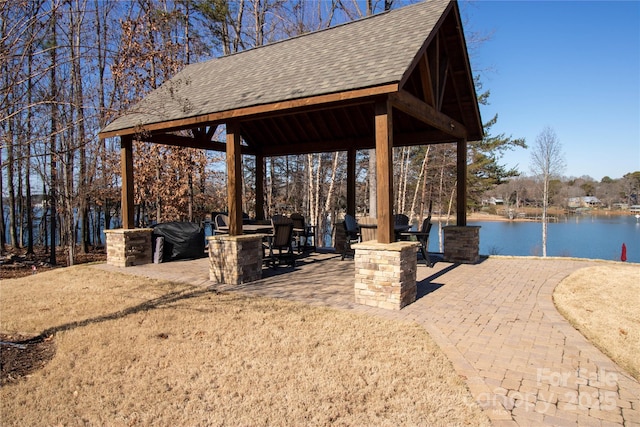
(523, 363)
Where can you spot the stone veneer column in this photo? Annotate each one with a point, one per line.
(127, 247)
(235, 259)
(462, 244)
(385, 274)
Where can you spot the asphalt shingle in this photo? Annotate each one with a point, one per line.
(369, 52)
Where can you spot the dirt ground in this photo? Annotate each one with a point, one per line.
(22, 355)
(15, 262)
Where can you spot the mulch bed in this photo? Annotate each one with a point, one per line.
(21, 355)
(16, 263)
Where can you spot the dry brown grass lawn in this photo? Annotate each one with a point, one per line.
(603, 303)
(134, 351)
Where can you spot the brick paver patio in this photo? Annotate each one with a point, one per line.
(523, 363)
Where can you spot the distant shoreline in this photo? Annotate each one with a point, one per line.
(483, 216)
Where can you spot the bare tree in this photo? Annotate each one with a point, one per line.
(547, 161)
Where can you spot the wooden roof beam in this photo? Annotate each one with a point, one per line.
(185, 141)
(425, 78)
(319, 147)
(419, 109)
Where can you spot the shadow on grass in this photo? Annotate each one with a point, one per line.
(155, 303)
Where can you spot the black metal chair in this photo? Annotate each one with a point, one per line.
(300, 231)
(280, 243)
(422, 236)
(400, 219)
(221, 224)
(352, 234)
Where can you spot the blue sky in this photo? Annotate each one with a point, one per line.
(571, 65)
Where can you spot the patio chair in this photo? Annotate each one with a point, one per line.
(221, 221)
(280, 243)
(422, 236)
(368, 228)
(352, 234)
(400, 219)
(300, 231)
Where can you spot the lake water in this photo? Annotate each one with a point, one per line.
(581, 236)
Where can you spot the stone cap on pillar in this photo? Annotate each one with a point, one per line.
(394, 246)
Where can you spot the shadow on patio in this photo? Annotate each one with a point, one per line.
(319, 278)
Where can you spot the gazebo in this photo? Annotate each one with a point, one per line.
(394, 79)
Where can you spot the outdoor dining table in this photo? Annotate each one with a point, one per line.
(396, 227)
(252, 228)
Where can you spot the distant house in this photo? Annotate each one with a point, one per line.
(584, 202)
(620, 206)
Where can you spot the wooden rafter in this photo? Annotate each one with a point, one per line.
(413, 106)
(425, 77)
(185, 141)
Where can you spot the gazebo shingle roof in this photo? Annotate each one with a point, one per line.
(370, 52)
(398, 78)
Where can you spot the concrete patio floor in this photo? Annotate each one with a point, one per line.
(495, 320)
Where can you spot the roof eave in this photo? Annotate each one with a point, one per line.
(354, 95)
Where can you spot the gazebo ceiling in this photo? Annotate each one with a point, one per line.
(317, 92)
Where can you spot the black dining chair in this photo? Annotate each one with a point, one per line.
(280, 243)
(422, 236)
(352, 234)
(302, 231)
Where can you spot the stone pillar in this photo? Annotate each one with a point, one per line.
(386, 274)
(235, 259)
(127, 247)
(462, 244)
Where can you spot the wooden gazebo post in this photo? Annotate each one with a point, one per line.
(235, 258)
(234, 179)
(461, 193)
(259, 186)
(461, 242)
(128, 245)
(126, 168)
(384, 162)
(351, 181)
(385, 269)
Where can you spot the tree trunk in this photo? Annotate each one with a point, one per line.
(19, 193)
(373, 185)
(313, 215)
(83, 197)
(405, 179)
(28, 136)
(13, 236)
(440, 205)
(422, 177)
(101, 32)
(2, 227)
(545, 203)
(53, 141)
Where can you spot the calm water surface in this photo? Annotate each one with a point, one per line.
(596, 237)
